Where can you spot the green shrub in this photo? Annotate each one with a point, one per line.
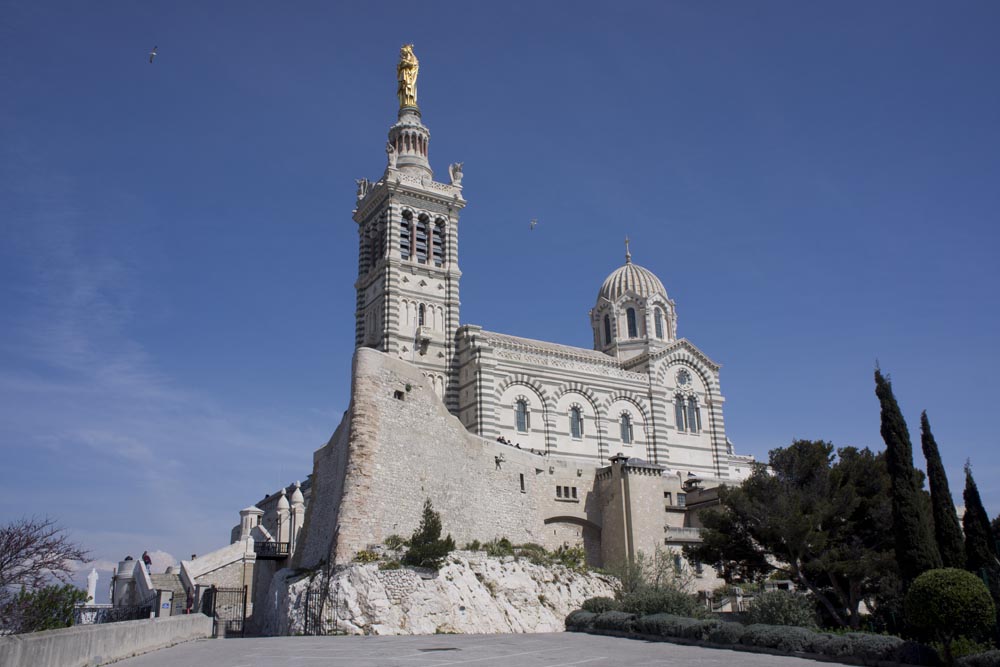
(874, 647)
(669, 625)
(365, 556)
(943, 604)
(988, 659)
(782, 608)
(727, 633)
(427, 549)
(390, 565)
(964, 646)
(834, 645)
(915, 653)
(601, 604)
(664, 601)
(580, 620)
(575, 558)
(46, 608)
(615, 620)
(787, 638)
(396, 542)
(499, 548)
(535, 553)
(474, 545)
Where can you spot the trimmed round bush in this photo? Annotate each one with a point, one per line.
(669, 625)
(615, 620)
(580, 620)
(876, 647)
(915, 653)
(785, 638)
(601, 604)
(988, 659)
(943, 604)
(782, 608)
(663, 601)
(727, 633)
(834, 645)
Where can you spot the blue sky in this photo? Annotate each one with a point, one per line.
(815, 183)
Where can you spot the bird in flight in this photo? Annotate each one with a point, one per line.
(152, 54)
(533, 224)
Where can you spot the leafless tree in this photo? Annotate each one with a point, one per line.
(33, 552)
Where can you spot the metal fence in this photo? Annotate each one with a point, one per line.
(90, 615)
(320, 613)
(228, 609)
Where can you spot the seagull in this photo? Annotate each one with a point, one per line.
(152, 54)
(533, 223)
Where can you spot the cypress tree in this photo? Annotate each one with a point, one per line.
(946, 528)
(980, 549)
(916, 551)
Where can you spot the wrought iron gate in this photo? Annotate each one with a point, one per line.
(228, 609)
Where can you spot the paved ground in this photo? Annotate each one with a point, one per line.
(537, 650)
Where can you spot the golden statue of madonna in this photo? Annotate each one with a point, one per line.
(406, 74)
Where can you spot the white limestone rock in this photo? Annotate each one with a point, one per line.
(472, 593)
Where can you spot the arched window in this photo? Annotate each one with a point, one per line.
(658, 319)
(405, 235)
(693, 415)
(607, 330)
(633, 330)
(438, 243)
(679, 412)
(626, 428)
(576, 422)
(521, 417)
(421, 315)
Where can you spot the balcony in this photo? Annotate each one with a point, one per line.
(682, 534)
(271, 550)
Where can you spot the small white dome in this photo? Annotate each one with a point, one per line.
(283, 501)
(297, 498)
(631, 278)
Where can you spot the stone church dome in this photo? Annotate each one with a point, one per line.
(631, 278)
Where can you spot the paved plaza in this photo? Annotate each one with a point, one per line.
(536, 650)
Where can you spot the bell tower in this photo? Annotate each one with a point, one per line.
(408, 275)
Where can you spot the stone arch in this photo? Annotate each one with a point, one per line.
(590, 535)
(528, 381)
(630, 397)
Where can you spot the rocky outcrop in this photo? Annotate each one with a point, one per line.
(472, 593)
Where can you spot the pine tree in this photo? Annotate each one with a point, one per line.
(946, 528)
(427, 549)
(916, 551)
(980, 549)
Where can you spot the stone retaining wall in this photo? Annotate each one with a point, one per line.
(92, 645)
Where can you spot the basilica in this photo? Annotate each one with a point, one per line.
(641, 392)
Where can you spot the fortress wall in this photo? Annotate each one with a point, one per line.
(400, 452)
(315, 542)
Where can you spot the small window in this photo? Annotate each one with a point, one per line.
(558, 492)
(682, 500)
(607, 330)
(679, 412)
(421, 315)
(626, 428)
(522, 482)
(521, 416)
(658, 320)
(576, 422)
(573, 492)
(398, 395)
(633, 329)
(668, 497)
(678, 563)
